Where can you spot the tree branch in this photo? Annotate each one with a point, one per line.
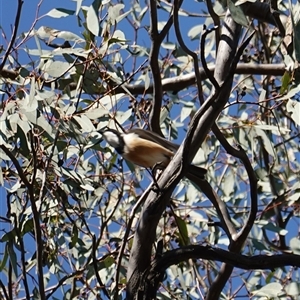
(35, 213)
(175, 83)
(155, 204)
(157, 86)
(219, 205)
(258, 262)
(177, 4)
(14, 34)
(226, 54)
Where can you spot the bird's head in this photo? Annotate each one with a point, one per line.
(113, 138)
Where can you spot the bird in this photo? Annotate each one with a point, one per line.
(145, 148)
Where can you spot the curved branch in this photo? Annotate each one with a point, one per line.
(253, 196)
(258, 262)
(219, 205)
(154, 53)
(216, 20)
(202, 53)
(14, 33)
(17, 166)
(240, 154)
(177, 4)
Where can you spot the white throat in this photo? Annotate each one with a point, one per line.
(111, 138)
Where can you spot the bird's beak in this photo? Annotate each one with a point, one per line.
(102, 130)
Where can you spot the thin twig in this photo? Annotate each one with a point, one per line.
(4, 290)
(14, 34)
(37, 229)
(208, 73)
(177, 4)
(95, 265)
(216, 20)
(23, 259)
(155, 69)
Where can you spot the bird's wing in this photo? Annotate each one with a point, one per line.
(152, 136)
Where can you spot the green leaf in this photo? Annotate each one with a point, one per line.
(147, 80)
(295, 245)
(69, 36)
(74, 237)
(293, 107)
(293, 289)
(27, 227)
(12, 257)
(38, 119)
(266, 140)
(78, 6)
(186, 110)
(96, 113)
(123, 116)
(85, 123)
(57, 68)
(195, 32)
(8, 236)
(182, 232)
(270, 290)
(239, 2)
(285, 81)
(1, 177)
(237, 14)
(272, 227)
(60, 13)
(114, 13)
(123, 16)
(3, 260)
(108, 261)
(259, 245)
(229, 183)
(92, 21)
(164, 113)
(118, 38)
(24, 72)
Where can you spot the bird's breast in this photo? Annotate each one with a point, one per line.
(146, 153)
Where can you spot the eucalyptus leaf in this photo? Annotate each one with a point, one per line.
(92, 20)
(60, 13)
(237, 13)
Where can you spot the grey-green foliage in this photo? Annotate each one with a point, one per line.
(99, 75)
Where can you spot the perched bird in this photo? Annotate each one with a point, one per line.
(145, 148)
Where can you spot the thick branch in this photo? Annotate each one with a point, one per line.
(226, 54)
(258, 262)
(178, 83)
(155, 204)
